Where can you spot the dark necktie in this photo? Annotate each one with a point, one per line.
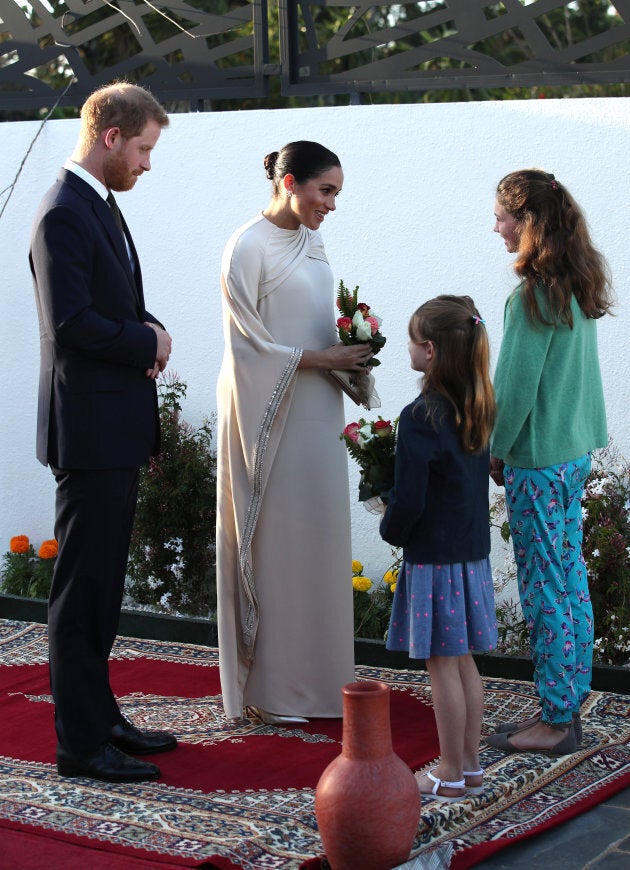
(115, 211)
(118, 219)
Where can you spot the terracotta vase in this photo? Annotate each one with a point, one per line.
(367, 801)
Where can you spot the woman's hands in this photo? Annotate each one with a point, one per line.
(344, 357)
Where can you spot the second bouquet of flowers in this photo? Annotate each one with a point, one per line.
(372, 444)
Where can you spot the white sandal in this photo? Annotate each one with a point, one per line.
(473, 789)
(442, 783)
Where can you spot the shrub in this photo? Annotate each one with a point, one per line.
(606, 514)
(172, 555)
(25, 572)
(372, 609)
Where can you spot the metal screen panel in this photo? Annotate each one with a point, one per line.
(192, 55)
(449, 44)
(199, 50)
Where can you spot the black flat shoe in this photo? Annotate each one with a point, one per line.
(108, 764)
(125, 736)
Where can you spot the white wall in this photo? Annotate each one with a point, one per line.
(414, 219)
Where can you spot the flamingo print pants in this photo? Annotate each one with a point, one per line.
(545, 515)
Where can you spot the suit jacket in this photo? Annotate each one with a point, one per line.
(96, 407)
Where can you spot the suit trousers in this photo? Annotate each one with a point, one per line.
(93, 525)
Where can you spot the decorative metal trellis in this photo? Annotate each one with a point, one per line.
(191, 55)
(200, 50)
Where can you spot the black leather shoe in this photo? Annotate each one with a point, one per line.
(124, 735)
(108, 764)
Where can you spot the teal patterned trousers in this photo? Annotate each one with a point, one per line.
(545, 514)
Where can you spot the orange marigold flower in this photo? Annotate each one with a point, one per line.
(48, 549)
(19, 544)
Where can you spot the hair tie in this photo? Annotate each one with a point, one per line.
(477, 320)
(554, 183)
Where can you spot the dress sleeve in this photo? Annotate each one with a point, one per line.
(517, 377)
(254, 393)
(416, 446)
(241, 274)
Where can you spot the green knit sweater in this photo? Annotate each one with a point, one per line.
(550, 402)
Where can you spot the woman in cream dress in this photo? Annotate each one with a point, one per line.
(283, 531)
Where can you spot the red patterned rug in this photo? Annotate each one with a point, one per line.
(241, 795)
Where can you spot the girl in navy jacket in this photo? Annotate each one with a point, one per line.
(438, 512)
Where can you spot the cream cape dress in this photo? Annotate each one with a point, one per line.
(283, 521)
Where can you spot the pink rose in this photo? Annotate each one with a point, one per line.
(345, 323)
(373, 324)
(352, 432)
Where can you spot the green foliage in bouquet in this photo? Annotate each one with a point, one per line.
(172, 556)
(372, 444)
(357, 324)
(25, 572)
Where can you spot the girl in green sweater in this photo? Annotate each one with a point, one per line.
(550, 416)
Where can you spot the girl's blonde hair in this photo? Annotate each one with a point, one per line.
(459, 370)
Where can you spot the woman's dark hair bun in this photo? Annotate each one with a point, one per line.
(303, 160)
(270, 164)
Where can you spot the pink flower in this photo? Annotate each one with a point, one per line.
(352, 432)
(345, 323)
(373, 324)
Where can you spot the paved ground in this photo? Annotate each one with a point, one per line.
(599, 838)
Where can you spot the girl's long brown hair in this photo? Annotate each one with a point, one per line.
(459, 370)
(555, 251)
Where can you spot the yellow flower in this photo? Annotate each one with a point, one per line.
(48, 549)
(361, 584)
(19, 544)
(392, 588)
(390, 576)
(357, 566)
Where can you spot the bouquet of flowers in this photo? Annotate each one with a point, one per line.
(372, 444)
(357, 325)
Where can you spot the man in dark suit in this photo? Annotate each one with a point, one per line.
(101, 352)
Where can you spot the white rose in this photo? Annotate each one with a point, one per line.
(364, 435)
(364, 330)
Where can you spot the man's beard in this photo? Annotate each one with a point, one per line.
(117, 174)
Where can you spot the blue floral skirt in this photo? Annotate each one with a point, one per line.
(443, 610)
